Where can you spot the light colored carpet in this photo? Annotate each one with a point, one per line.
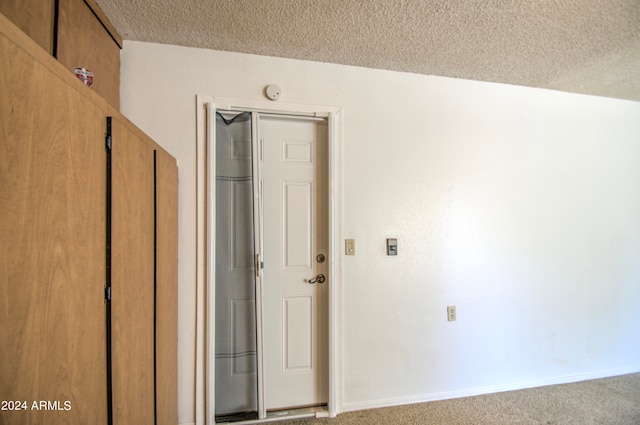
(609, 401)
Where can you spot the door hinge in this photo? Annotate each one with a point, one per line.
(107, 293)
(259, 265)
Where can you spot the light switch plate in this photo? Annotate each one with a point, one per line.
(392, 246)
(349, 247)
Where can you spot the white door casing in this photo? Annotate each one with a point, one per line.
(295, 220)
(206, 249)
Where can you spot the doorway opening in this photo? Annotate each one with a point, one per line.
(272, 281)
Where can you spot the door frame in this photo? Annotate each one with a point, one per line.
(205, 228)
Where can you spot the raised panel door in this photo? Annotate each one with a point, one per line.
(294, 205)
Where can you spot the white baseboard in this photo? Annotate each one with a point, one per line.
(421, 398)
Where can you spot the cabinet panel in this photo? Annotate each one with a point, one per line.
(34, 17)
(167, 290)
(52, 249)
(133, 267)
(84, 42)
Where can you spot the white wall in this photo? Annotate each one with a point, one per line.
(520, 206)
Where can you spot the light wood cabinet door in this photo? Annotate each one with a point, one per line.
(52, 246)
(133, 277)
(166, 289)
(84, 42)
(34, 17)
(144, 242)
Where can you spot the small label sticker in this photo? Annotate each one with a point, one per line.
(84, 75)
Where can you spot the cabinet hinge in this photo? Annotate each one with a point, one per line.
(107, 137)
(107, 293)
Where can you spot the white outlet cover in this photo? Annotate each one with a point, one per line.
(451, 313)
(273, 91)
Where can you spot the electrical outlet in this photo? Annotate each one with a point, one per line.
(349, 247)
(451, 313)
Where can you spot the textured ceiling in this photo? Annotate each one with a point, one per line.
(581, 46)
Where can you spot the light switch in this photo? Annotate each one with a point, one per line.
(349, 247)
(392, 246)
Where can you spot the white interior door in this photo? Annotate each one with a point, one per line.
(295, 217)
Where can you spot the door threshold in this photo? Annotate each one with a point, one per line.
(286, 414)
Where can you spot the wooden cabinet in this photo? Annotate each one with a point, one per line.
(88, 255)
(77, 33)
(35, 17)
(86, 39)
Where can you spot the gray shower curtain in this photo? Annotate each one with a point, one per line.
(235, 318)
